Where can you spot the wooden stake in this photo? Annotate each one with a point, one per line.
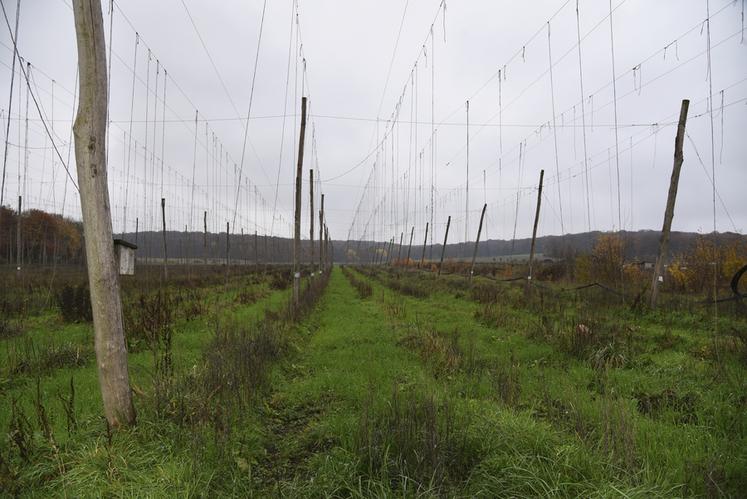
(425, 241)
(671, 198)
(297, 214)
(534, 230)
(256, 254)
(90, 154)
(477, 242)
(443, 248)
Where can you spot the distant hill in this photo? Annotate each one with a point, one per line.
(641, 245)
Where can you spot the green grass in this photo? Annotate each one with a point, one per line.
(413, 392)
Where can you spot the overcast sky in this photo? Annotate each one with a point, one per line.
(349, 47)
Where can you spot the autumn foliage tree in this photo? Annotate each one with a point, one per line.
(605, 262)
(693, 271)
(44, 237)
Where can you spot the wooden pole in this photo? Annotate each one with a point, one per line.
(425, 241)
(321, 236)
(443, 248)
(327, 252)
(297, 214)
(534, 229)
(163, 232)
(671, 198)
(409, 246)
(477, 242)
(311, 217)
(90, 154)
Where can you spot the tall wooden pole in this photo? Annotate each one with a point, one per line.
(425, 241)
(311, 217)
(90, 154)
(671, 198)
(409, 246)
(327, 249)
(443, 248)
(163, 232)
(534, 230)
(321, 236)
(297, 215)
(204, 236)
(477, 242)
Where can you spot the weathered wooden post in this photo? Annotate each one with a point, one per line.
(671, 198)
(297, 214)
(321, 236)
(409, 246)
(327, 249)
(534, 229)
(477, 242)
(90, 154)
(425, 242)
(311, 217)
(163, 232)
(443, 249)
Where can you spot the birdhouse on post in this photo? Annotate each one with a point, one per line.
(125, 253)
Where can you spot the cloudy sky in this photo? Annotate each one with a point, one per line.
(388, 83)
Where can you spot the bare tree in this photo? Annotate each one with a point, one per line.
(90, 155)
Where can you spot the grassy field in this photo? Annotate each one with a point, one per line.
(386, 384)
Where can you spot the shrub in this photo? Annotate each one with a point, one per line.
(249, 296)
(280, 280)
(484, 293)
(75, 303)
(415, 438)
(362, 287)
(237, 360)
